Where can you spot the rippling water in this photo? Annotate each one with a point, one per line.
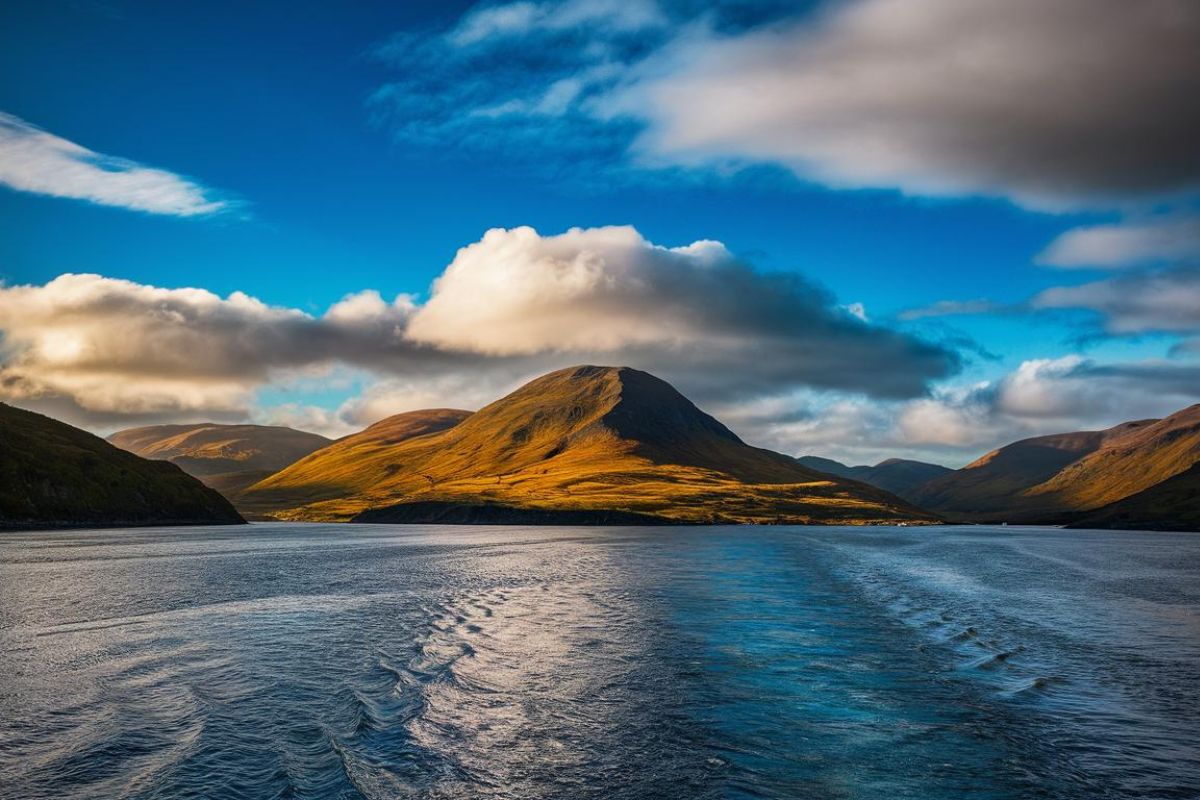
(365, 662)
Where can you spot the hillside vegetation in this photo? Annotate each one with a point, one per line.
(1055, 478)
(226, 457)
(52, 474)
(607, 439)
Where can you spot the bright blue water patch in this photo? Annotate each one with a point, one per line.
(374, 661)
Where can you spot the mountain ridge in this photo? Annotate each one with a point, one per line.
(224, 457)
(585, 438)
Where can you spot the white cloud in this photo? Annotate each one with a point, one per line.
(33, 160)
(1144, 302)
(522, 18)
(1052, 104)
(510, 306)
(958, 423)
(695, 312)
(1124, 245)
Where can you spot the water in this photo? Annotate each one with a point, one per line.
(313, 661)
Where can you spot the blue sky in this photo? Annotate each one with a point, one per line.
(354, 149)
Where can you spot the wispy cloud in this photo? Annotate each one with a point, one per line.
(34, 160)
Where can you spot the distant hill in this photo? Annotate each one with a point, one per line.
(1172, 505)
(54, 475)
(227, 458)
(899, 476)
(608, 441)
(1054, 478)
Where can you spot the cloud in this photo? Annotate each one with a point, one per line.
(1072, 103)
(1075, 102)
(118, 347)
(33, 160)
(958, 423)
(510, 306)
(947, 308)
(1154, 241)
(488, 23)
(1156, 301)
(693, 311)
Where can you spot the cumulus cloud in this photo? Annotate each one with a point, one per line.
(33, 160)
(510, 306)
(118, 347)
(694, 311)
(1160, 301)
(1125, 245)
(1074, 102)
(958, 423)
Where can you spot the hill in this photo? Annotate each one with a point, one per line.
(54, 475)
(900, 476)
(227, 458)
(1142, 455)
(1054, 478)
(1172, 505)
(602, 440)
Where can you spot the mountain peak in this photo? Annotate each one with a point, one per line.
(594, 439)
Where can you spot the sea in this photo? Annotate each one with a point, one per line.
(373, 661)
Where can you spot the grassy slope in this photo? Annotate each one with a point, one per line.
(52, 474)
(1172, 505)
(1049, 478)
(587, 438)
(1144, 455)
(994, 486)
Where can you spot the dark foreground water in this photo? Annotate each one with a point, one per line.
(349, 662)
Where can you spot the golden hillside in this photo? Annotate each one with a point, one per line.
(1173, 505)
(1052, 478)
(600, 439)
(226, 457)
(1143, 455)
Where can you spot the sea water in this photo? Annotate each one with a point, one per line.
(320, 661)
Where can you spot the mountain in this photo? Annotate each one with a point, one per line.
(54, 475)
(584, 444)
(900, 476)
(1143, 455)
(1172, 505)
(1053, 478)
(227, 458)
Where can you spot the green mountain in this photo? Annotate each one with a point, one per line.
(584, 444)
(54, 475)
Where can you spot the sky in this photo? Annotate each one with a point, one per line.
(854, 228)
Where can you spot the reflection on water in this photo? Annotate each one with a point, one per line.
(374, 661)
